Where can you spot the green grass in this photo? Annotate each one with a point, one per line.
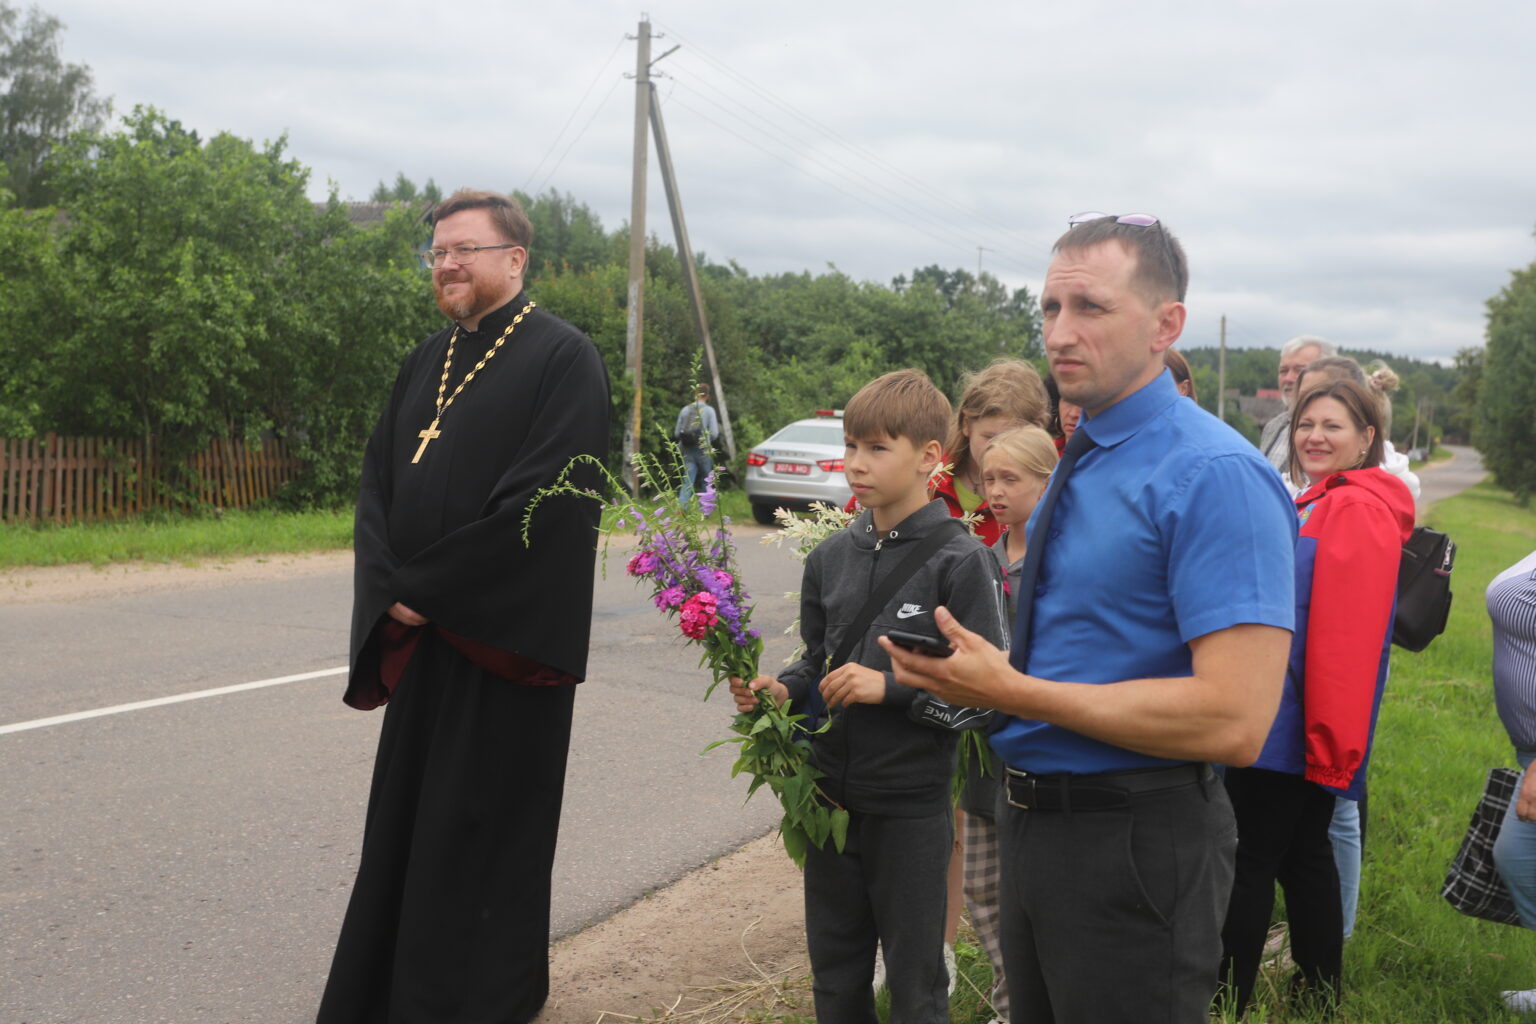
(168, 538)
(175, 538)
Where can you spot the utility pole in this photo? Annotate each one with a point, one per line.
(979, 250)
(634, 337)
(1221, 374)
(685, 260)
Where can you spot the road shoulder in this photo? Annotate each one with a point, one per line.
(721, 937)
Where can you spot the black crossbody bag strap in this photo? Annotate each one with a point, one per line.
(894, 581)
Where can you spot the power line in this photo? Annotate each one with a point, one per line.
(825, 181)
(595, 111)
(926, 190)
(574, 111)
(851, 176)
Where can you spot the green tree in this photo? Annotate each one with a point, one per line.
(1467, 393)
(1507, 436)
(404, 190)
(204, 295)
(568, 235)
(42, 101)
(31, 292)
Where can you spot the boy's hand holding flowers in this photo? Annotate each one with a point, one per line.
(745, 693)
(852, 683)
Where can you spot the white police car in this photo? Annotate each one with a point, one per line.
(800, 464)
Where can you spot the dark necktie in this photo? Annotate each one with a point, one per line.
(1079, 443)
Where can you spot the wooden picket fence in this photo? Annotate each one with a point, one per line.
(73, 479)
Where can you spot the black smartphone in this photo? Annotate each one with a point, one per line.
(932, 646)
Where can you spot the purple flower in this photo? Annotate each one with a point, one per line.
(671, 597)
(708, 496)
(642, 564)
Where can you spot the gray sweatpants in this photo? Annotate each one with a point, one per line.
(888, 886)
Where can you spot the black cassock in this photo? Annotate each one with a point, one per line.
(449, 917)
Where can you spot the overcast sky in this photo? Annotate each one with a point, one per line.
(1364, 170)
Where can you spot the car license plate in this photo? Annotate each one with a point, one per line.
(798, 468)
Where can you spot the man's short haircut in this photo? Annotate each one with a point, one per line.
(1162, 271)
(506, 213)
(1363, 409)
(701, 390)
(1301, 341)
(902, 403)
(1006, 387)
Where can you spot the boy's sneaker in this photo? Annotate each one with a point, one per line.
(1521, 1000)
(949, 965)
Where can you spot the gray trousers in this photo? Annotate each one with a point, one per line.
(887, 886)
(1115, 915)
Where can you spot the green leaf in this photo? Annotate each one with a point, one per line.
(794, 841)
(840, 828)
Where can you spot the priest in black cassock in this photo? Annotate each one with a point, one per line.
(472, 639)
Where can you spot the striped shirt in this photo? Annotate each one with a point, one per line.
(1512, 607)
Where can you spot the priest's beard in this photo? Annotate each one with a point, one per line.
(464, 306)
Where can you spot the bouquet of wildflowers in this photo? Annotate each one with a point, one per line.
(686, 556)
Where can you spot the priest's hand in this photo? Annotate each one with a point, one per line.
(746, 693)
(851, 683)
(976, 675)
(400, 613)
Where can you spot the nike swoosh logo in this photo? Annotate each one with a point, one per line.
(907, 613)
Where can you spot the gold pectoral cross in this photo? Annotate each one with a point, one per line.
(427, 436)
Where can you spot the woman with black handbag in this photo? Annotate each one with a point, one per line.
(1354, 518)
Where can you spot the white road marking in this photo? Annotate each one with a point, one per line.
(140, 705)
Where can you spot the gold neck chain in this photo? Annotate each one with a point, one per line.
(432, 433)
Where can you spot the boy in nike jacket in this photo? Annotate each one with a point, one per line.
(892, 775)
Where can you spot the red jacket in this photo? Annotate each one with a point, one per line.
(984, 525)
(1353, 525)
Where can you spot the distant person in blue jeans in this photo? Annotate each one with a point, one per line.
(696, 432)
(1512, 608)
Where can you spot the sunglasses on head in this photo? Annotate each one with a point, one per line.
(1139, 220)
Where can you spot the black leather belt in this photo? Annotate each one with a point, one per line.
(1102, 792)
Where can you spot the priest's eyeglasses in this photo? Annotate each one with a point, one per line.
(462, 254)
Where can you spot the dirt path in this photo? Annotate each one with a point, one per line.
(717, 941)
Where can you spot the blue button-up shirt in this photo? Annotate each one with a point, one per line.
(1172, 528)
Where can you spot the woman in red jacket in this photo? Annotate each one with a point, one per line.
(1354, 520)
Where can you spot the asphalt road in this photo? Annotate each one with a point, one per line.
(192, 862)
(1442, 479)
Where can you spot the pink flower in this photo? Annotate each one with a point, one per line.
(698, 614)
(669, 598)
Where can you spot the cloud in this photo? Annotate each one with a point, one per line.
(1360, 169)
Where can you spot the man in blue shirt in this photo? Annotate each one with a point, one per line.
(1152, 642)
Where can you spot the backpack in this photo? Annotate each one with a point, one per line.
(1423, 588)
(689, 436)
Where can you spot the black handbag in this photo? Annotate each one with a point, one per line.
(1423, 588)
(1473, 885)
